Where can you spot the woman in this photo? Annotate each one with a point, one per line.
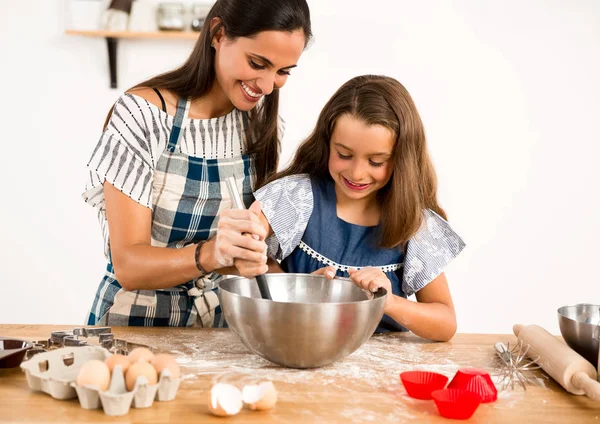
(157, 174)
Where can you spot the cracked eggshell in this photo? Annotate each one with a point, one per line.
(260, 397)
(225, 400)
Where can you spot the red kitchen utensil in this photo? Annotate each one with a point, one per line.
(475, 380)
(420, 384)
(456, 403)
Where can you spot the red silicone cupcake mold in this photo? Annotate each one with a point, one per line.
(456, 403)
(475, 380)
(420, 384)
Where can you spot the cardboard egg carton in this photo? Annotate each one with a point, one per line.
(55, 373)
(117, 400)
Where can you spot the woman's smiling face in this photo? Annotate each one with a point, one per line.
(248, 68)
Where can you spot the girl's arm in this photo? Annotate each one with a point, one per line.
(431, 317)
(140, 266)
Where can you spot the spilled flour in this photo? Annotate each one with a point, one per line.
(377, 362)
(374, 368)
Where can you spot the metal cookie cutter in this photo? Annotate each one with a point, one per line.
(84, 336)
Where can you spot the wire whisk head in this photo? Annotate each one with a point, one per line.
(514, 366)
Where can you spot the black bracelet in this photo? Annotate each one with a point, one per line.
(198, 265)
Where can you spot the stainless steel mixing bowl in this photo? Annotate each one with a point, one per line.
(310, 322)
(578, 326)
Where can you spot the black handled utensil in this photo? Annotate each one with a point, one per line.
(236, 198)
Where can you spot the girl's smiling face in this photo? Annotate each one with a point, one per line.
(248, 68)
(360, 157)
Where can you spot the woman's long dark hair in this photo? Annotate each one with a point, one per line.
(240, 18)
(379, 100)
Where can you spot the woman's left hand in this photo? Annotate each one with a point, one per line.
(372, 279)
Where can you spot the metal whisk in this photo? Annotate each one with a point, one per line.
(515, 366)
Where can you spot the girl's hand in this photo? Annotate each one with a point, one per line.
(328, 271)
(372, 279)
(241, 235)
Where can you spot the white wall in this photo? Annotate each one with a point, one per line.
(509, 93)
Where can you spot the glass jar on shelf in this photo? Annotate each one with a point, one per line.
(170, 16)
(198, 13)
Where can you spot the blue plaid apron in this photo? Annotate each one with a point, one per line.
(187, 194)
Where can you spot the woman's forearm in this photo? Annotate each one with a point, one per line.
(432, 321)
(143, 267)
(140, 266)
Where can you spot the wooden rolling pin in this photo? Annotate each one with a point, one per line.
(567, 367)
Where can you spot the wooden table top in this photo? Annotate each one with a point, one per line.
(362, 388)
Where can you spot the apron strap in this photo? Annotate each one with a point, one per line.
(205, 302)
(183, 109)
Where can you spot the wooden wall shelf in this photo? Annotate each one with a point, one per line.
(183, 35)
(112, 38)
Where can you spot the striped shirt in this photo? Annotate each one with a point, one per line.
(137, 133)
(175, 166)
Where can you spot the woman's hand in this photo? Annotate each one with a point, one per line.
(372, 279)
(241, 241)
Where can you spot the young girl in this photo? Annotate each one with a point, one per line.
(155, 177)
(359, 198)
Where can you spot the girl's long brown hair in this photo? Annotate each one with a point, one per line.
(193, 79)
(379, 100)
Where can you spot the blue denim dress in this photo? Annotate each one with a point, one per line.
(309, 235)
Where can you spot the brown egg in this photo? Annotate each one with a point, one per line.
(162, 361)
(260, 397)
(140, 353)
(137, 370)
(225, 400)
(113, 360)
(94, 373)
